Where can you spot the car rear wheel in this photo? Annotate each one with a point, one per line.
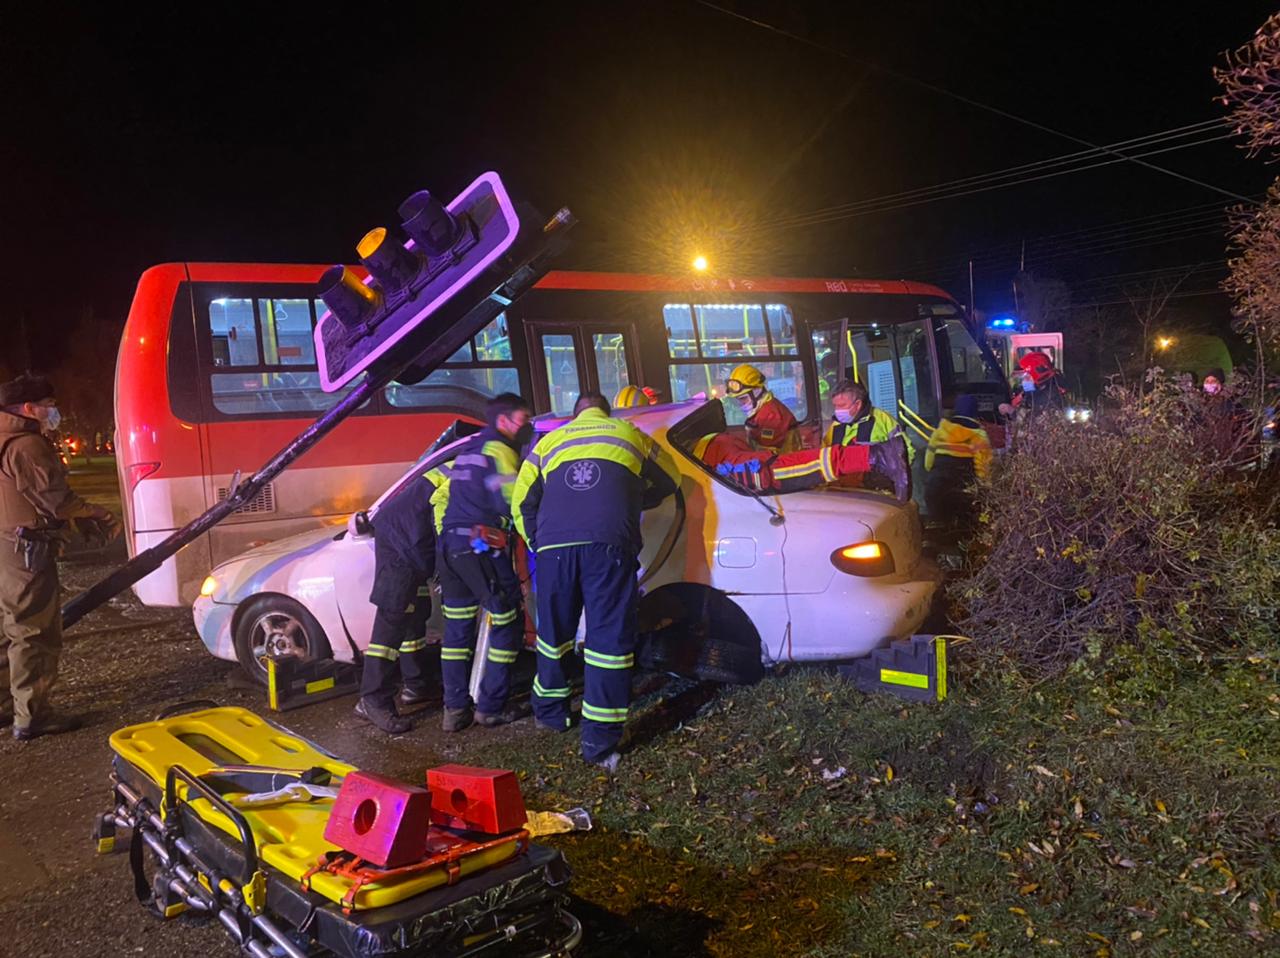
(275, 626)
(699, 633)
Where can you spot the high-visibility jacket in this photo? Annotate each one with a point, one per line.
(773, 426)
(403, 525)
(875, 425)
(479, 490)
(588, 481)
(960, 438)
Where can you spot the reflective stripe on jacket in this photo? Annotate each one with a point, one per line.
(874, 426)
(588, 481)
(481, 484)
(961, 438)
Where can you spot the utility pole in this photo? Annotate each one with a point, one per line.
(973, 314)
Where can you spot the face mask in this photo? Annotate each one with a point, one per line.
(844, 415)
(524, 435)
(50, 418)
(1212, 388)
(1028, 385)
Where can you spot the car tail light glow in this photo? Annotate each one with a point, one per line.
(864, 559)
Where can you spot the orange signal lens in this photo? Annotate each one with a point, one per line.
(863, 550)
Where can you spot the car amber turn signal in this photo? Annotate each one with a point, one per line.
(864, 558)
(208, 586)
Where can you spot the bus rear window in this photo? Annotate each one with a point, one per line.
(263, 356)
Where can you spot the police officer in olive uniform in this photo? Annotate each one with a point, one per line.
(35, 506)
(577, 503)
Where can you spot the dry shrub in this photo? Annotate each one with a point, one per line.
(1154, 524)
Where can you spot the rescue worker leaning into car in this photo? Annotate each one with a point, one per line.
(404, 557)
(35, 505)
(476, 570)
(577, 503)
(770, 424)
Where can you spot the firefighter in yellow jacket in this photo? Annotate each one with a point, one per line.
(959, 452)
(35, 506)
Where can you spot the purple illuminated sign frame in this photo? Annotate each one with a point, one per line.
(513, 228)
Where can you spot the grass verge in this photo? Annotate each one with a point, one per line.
(800, 817)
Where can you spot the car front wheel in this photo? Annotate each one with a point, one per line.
(275, 626)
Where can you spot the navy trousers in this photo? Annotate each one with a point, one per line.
(398, 644)
(602, 580)
(470, 582)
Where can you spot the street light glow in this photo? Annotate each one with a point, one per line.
(700, 263)
(1164, 342)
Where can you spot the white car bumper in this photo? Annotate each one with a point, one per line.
(213, 624)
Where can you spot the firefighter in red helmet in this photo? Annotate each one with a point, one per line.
(1040, 389)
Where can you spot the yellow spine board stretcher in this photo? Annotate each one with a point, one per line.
(290, 835)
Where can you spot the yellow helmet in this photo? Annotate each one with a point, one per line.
(743, 378)
(629, 396)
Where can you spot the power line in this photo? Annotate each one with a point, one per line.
(1081, 241)
(1216, 291)
(817, 220)
(942, 91)
(1012, 173)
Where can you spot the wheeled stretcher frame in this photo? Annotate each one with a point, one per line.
(216, 870)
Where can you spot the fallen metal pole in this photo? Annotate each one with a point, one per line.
(520, 280)
(147, 561)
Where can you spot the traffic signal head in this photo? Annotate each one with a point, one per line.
(418, 292)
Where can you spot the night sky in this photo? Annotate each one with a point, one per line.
(270, 133)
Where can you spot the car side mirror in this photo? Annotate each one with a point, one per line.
(360, 525)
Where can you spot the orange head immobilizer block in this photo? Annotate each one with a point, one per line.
(380, 820)
(478, 799)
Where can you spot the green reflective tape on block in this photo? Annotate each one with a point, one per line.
(914, 679)
(940, 658)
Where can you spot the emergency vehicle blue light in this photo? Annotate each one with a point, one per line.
(1002, 322)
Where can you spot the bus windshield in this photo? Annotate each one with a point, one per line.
(964, 366)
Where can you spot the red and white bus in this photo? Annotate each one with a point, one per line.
(217, 372)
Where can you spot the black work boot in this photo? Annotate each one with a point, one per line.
(512, 713)
(51, 723)
(455, 720)
(382, 717)
(410, 698)
(889, 459)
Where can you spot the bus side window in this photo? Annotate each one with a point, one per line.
(287, 332)
(725, 335)
(235, 334)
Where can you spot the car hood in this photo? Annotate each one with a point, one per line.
(278, 547)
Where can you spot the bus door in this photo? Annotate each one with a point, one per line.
(860, 350)
(577, 358)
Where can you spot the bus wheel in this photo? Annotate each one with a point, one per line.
(275, 626)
